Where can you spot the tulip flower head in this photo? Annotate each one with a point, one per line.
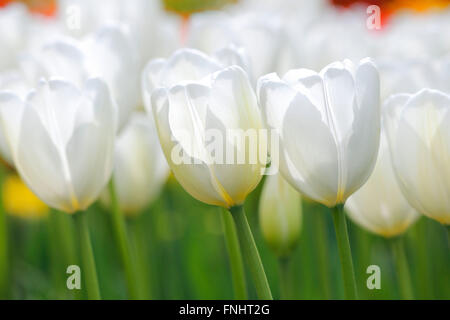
(328, 125)
(61, 139)
(196, 121)
(418, 130)
(280, 214)
(379, 205)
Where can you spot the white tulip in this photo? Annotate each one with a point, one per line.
(418, 130)
(61, 139)
(186, 114)
(328, 125)
(106, 54)
(140, 168)
(379, 205)
(280, 214)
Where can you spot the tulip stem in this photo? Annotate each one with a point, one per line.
(123, 242)
(284, 271)
(234, 254)
(401, 264)
(250, 253)
(345, 254)
(87, 257)
(447, 228)
(4, 252)
(321, 242)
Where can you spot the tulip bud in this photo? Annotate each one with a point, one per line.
(379, 206)
(140, 168)
(280, 215)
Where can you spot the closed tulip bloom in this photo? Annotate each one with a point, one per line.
(328, 125)
(61, 139)
(379, 205)
(418, 128)
(190, 114)
(280, 215)
(140, 168)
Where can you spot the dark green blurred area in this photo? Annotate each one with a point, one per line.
(182, 254)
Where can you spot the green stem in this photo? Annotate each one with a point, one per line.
(401, 264)
(250, 253)
(4, 261)
(63, 245)
(234, 254)
(345, 254)
(87, 257)
(123, 243)
(142, 261)
(447, 228)
(285, 291)
(323, 252)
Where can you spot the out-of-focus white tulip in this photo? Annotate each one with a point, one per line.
(61, 139)
(140, 168)
(259, 34)
(280, 214)
(106, 54)
(409, 76)
(13, 25)
(418, 130)
(146, 22)
(193, 116)
(379, 205)
(328, 125)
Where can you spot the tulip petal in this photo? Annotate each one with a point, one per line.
(110, 56)
(96, 148)
(362, 147)
(191, 173)
(187, 64)
(233, 113)
(309, 153)
(11, 109)
(39, 163)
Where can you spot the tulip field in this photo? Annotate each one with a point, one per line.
(224, 150)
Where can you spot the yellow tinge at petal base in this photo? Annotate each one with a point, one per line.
(20, 201)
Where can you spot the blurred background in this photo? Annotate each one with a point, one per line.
(180, 240)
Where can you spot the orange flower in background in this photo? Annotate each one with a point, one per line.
(20, 201)
(389, 7)
(394, 5)
(43, 7)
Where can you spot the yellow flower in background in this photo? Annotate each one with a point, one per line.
(20, 201)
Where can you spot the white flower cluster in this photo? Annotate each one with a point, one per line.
(74, 88)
